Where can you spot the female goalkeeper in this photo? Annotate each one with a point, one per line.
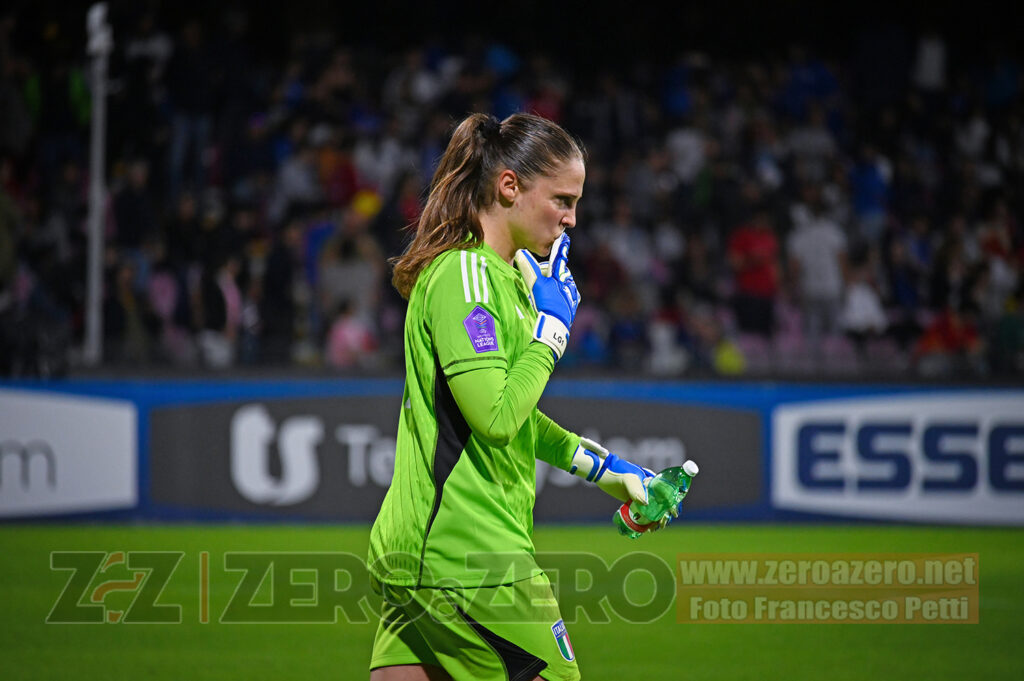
(451, 549)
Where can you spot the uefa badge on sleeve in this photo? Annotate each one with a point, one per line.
(562, 638)
(480, 327)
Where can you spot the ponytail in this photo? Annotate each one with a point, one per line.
(451, 216)
(463, 183)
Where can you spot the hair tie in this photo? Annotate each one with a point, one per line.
(490, 129)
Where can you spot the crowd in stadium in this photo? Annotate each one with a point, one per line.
(788, 215)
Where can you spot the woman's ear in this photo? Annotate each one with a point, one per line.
(508, 187)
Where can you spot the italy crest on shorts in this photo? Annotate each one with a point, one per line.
(562, 638)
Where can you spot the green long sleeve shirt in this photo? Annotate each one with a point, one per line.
(460, 507)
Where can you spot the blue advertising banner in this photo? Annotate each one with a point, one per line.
(323, 450)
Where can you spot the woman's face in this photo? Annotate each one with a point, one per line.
(546, 208)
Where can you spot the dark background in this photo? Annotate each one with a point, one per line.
(592, 32)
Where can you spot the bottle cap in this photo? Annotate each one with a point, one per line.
(690, 468)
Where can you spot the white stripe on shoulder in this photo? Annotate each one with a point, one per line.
(476, 278)
(519, 312)
(483, 275)
(465, 277)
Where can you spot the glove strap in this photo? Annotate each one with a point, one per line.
(550, 331)
(588, 460)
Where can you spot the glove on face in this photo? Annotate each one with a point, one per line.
(553, 293)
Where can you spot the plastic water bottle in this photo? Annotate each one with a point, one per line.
(664, 491)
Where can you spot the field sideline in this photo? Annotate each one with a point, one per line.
(661, 650)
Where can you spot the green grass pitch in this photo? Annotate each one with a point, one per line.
(663, 649)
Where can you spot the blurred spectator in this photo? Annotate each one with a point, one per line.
(767, 152)
(629, 244)
(399, 212)
(713, 349)
(351, 267)
(167, 298)
(669, 336)
(686, 146)
(336, 169)
(191, 81)
(181, 232)
(930, 62)
(628, 338)
(66, 212)
(812, 146)
(950, 345)
(409, 89)
(276, 294)
(249, 163)
(350, 341)
(869, 185)
(135, 218)
(904, 293)
(382, 156)
(863, 317)
(950, 274)
(1008, 338)
(218, 309)
(817, 258)
(297, 184)
(754, 258)
(920, 244)
(613, 117)
(650, 183)
(699, 276)
(1002, 257)
(604, 275)
(128, 324)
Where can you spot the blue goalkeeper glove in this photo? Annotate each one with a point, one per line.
(619, 478)
(553, 293)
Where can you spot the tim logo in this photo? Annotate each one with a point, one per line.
(114, 587)
(255, 438)
(27, 470)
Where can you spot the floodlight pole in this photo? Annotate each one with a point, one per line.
(99, 46)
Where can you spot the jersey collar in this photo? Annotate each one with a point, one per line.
(498, 261)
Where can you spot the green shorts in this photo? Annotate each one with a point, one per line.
(512, 632)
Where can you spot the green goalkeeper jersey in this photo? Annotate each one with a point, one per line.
(469, 430)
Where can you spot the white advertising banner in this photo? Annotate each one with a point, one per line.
(66, 454)
(945, 457)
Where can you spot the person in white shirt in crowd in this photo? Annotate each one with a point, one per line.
(863, 316)
(816, 250)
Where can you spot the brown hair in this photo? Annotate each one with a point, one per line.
(463, 184)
